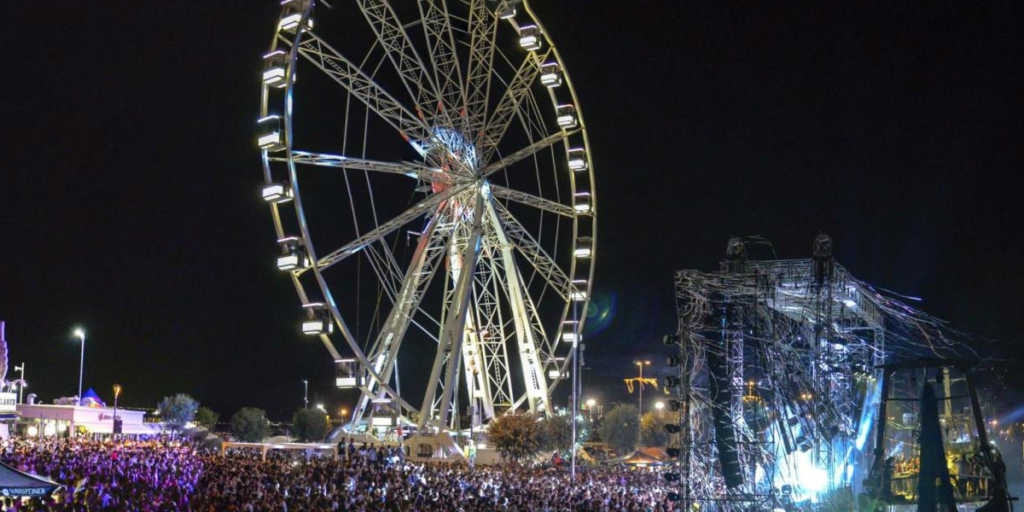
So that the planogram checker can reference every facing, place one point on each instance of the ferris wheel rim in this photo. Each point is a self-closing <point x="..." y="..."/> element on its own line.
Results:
<point x="321" y="282"/>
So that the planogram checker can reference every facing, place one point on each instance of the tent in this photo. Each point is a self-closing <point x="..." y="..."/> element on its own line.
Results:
<point x="91" y="399"/>
<point x="647" y="456"/>
<point x="14" y="483"/>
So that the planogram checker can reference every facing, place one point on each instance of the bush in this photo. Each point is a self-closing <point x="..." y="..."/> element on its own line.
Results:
<point x="250" y="424"/>
<point x="207" y="418"/>
<point x="515" y="436"/>
<point x="619" y="427"/>
<point x="309" y="425"/>
<point x="177" y="410"/>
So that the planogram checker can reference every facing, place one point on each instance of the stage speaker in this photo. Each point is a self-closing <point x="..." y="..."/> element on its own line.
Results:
<point x="725" y="435"/>
<point x="118" y="425"/>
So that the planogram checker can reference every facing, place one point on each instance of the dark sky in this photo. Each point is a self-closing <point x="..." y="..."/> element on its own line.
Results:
<point x="128" y="201"/>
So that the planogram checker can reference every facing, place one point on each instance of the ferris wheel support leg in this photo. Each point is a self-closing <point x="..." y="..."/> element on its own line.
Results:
<point x="384" y="352"/>
<point x="450" y="347"/>
<point x="473" y="365"/>
<point x="529" y="356"/>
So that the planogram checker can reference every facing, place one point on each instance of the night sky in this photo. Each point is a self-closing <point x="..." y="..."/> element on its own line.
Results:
<point x="129" y="197"/>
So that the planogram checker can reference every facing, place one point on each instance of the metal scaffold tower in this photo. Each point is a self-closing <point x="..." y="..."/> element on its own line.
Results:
<point x="778" y="378"/>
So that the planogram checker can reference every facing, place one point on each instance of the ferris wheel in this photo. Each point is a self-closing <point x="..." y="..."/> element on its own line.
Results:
<point x="427" y="169"/>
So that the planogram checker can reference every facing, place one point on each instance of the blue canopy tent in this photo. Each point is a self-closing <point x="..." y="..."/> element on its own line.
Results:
<point x="14" y="483"/>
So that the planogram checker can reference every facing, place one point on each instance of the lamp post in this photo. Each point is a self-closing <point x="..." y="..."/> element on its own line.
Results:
<point x="305" y="393"/>
<point x="591" y="403"/>
<point x="21" y="379"/>
<point x="80" y="333"/>
<point x="640" y="402"/>
<point x="659" y="405"/>
<point x="117" y="393"/>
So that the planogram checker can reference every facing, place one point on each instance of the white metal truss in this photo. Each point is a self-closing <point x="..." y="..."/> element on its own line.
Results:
<point x="529" y="357"/>
<point x="402" y="53"/>
<point x="437" y="27"/>
<point x="421" y="271"/>
<point x="388" y="227"/>
<point x="490" y="318"/>
<point x="522" y="153"/>
<point x="518" y="88"/>
<point x="532" y="200"/>
<point x="534" y="253"/>
<point x="463" y="263"/>
<point x="362" y="87"/>
<point x="473" y="368"/>
<point x="483" y="25"/>
<point x="411" y="169"/>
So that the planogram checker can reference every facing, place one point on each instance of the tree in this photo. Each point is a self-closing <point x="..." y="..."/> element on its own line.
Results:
<point x="555" y="433"/>
<point x="207" y="418"/>
<point x="309" y="425"/>
<point x="515" y="436"/>
<point x="177" y="410"/>
<point x="619" y="427"/>
<point x="250" y="424"/>
<point x="652" y="429"/>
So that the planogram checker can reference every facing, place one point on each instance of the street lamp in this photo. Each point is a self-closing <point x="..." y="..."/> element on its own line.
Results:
<point x="305" y="393"/>
<point x="640" y="398"/>
<point x="659" y="405"/>
<point x="591" y="403"/>
<point x="321" y="407"/>
<point x="117" y="393"/>
<point x="80" y="334"/>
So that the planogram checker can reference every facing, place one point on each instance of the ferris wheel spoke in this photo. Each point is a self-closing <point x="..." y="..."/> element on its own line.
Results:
<point x="421" y="272"/>
<point x="411" y="169"/>
<point x="545" y="265"/>
<point x="401" y="52"/>
<point x="446" y="358"/>
<point x="483" y="26"/>
<point x="437" y="28"/>
<point x="526" y="342"/>
<point x="523" y="153"/>
<point x="518" y="88"/>
<point x="532" y="200"/>
<point x="347" y="74"/>
<point x="388" y="227"/>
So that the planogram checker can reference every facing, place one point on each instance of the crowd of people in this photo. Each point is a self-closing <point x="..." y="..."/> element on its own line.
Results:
<point x="169" y="475"/>
<point x="107" y="475"/>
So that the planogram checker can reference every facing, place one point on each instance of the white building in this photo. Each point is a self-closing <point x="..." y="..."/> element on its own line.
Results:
<point x="56" y="419"/>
